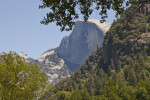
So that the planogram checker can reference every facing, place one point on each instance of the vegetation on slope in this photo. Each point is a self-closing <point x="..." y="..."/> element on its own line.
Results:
<point x="20" y="80"/>
<point x="65" y="13"/>
<point x="113" y="90"/>
<point x="120" y="69"/>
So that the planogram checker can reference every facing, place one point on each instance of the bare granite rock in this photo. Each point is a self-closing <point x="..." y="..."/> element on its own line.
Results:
<point x="84" y="39"/>
<point x="60" y="62"/>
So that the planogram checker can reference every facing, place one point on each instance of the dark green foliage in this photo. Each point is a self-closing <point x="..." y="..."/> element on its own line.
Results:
<point x="65" y="13"/>
<point x="76" y="96"/>
<point x="65" y="95"/>
<point x="117" y="91"/>
<point x="62" y="95"/>
<point x="85" y="95"/>
<point x="121" y="91"/>
<point x="20" y="80"/>
<point x="116" y="69"/>
<point x="113" y="90"/>
<point x="143" y="90"/>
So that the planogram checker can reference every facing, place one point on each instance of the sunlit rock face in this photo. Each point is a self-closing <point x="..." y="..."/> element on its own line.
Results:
<point x="53" y="66"/>
<point x="61" y="62"/>
<point x="27" y="59"/>
<point x="84" y="39"/>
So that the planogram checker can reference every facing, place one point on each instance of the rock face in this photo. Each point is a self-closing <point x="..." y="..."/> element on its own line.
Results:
<point x="60" y="62"/>
<point x="53" y="66"/>
<point x="124" y="56"/>
<point x="84" y="39"/>
<point x="27" y="59"/>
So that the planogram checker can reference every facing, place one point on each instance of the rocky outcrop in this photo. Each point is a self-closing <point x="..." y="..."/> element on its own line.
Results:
<point x="60" y="62"/>
<point x="27" y="59"/>
<point x="124" y="57"/>
<point x="84" y="39"/>
<point x="53" y="66"/>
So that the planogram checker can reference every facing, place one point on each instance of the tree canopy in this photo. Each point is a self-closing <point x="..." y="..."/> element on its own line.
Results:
<point x="20" y="80"/>
<point x="65" y="12"/>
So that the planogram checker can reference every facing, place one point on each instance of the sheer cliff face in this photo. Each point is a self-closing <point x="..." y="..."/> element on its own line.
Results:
<point x="84" y="39"/>
<point x="59" y="62"/>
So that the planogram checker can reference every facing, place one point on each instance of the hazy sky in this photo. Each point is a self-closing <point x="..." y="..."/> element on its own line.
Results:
<point x="21" y="31"/>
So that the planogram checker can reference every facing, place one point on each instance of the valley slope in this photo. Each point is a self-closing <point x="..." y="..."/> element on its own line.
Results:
<point x="124" y="56"/>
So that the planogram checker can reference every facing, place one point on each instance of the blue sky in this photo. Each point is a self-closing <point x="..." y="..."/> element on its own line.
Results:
<point x="21" y="31"/>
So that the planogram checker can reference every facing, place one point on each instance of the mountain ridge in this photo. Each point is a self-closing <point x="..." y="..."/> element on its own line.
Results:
<point x="124" y="56"/>
<point x="84" y="39"/>
<point x="79" y="44"/>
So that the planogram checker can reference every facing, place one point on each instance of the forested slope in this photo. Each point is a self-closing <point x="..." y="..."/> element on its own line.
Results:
<point x="121" y="64"/>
